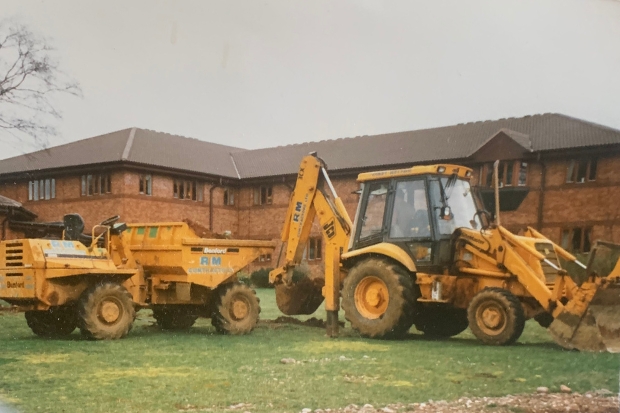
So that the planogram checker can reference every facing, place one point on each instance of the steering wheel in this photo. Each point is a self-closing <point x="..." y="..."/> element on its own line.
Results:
<point x="110" y="221"/>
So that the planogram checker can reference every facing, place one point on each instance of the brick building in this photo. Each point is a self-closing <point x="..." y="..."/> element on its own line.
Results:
<point x="558" y="174"/>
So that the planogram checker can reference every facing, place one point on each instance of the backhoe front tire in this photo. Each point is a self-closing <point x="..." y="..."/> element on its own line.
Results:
<point x="106" y="311"/>
<point x="172" y="318"/>
<point x="54" y="323"/>
<point x="237" y="309"/>
<point x="378" y="299"/>
<point x="496" y="317"/>
<point x="441" y="321"/>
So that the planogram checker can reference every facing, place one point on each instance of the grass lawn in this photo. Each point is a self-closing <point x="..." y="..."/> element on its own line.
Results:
<point x="155" y="371"/>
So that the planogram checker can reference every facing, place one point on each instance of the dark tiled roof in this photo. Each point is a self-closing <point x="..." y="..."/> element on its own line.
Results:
<point x="520" y="138"/>
<point x="538" y="132"/>
<point x="534" y="133"/>
<point x="99" y="149"/>
<point x="177" y="152"/>
<point x="134" y="145"/>
<point x="8" y="202"/>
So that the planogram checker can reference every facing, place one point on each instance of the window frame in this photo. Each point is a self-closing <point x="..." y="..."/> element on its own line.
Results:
<point x="228" y="196"/>
<point x="145" y="186"/>
<point x="486" y="174"/>
<point x="96" y="184"/>
<point x="585" y="238"/>
<point x="575" y="166"/>
<point x="187" y="190"/>
<point x="263" y="195"/>
<point x="42" y="189"/>
<point x="314" y="244"/>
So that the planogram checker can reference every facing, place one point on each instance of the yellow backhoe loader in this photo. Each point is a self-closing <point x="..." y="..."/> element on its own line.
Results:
<point x="423" y="251"/>
<point x="97" y="282"/>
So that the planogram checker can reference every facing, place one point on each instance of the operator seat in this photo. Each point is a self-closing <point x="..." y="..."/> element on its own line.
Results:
<point x="74" y="226"/>
<point x="421" y="224"/>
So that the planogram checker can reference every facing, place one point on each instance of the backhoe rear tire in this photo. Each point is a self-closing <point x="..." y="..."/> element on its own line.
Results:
<point x="106" y="311"/>
<point x="379" y="298"/>
<point x="54" y="323"/>
<point x="237" y="309"/>
<point x="441" y="321"/>
<point x="172" y="318"/>
<point x="496" y="317"/>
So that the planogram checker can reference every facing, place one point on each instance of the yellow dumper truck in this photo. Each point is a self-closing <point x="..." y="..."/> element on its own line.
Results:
<point x="96" y="283"/>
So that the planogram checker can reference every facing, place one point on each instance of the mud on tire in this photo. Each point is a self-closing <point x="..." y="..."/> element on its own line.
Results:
<point x="379" y="299"/>
<point x="496" y="317"/>
<point x="237" y="309"/>
<point x="172" y="318"/>
<point x="53" y="323"/>
<point x="106" y="311"/>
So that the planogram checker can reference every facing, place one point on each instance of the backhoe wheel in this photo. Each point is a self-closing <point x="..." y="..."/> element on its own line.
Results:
<point x="106" y="311"/>
<point x="441" y="321"/>
<point x="378" y="299"/>
<point x="53" y="323"/>
<point x="496" y="317"/>
<point x="237" y="309"/>
<point x="172" y="318"/>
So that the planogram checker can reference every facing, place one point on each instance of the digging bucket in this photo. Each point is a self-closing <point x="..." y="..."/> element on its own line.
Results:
<point x="590" y="321"/>
<point x="302" y="297"/>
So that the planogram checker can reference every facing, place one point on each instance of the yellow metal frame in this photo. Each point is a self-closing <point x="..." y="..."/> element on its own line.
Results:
<point x="439" y="169"/>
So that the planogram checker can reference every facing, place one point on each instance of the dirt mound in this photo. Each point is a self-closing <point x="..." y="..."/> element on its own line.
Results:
<point x="311" y="322"/>
<point x="204" y="232"/>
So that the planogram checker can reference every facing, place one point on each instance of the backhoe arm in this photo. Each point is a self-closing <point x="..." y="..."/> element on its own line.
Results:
<point x="308" y="201"/>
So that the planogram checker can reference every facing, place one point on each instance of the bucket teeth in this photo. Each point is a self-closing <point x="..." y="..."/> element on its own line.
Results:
<point x="302" y="297"/>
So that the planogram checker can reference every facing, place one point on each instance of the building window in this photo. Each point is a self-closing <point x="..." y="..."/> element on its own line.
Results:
<point x="510" y="173"/>
<point x="96" y="184"/>
<point x="580" y="170"/>
<point x="263" y="195"/>
<point x="229" y="196"/>
<point x="42" y="189"/>
<point x="264" y="258"/>
<point x="187" y="190"/>
<point x="146" y="184"/>
<point x="576" y="239"/>
<point x="313" y="249"/>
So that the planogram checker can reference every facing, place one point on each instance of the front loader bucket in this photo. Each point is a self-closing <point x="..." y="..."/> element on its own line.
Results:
<point x="302" y="297"/>
<point x="591" y="320"/>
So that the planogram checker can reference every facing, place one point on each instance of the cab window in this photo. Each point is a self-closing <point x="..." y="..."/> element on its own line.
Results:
<point x="410" y="218"/>
<point x="372" y="217"/>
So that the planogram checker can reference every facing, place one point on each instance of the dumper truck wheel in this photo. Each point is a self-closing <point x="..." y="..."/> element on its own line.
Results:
<point x="441" y="321"/>
<point x="106" y="311"/>
<point x="53" y="323"/>
<point x="496" y="317"/>
<point x="379" y="298"/>
<point x="237" y="309"/>
<point x="173" y="318"/>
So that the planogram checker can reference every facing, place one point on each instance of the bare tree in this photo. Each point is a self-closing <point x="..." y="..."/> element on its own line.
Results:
<point x="29" y="81"/>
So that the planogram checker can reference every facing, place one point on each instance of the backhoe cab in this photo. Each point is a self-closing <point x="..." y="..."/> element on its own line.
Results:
<point x="423" y="251"/>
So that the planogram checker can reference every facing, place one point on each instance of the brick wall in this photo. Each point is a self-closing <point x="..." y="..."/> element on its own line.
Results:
<point x="593" y="204"/>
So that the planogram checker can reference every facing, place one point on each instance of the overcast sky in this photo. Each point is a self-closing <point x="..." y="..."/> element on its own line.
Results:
<point x="254" y="74"/>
